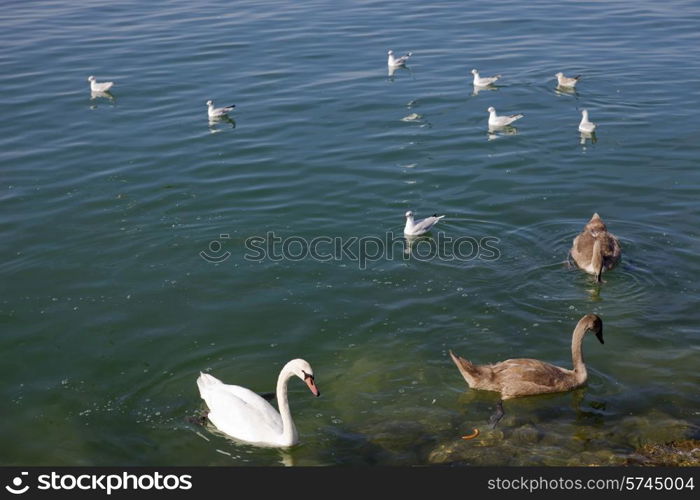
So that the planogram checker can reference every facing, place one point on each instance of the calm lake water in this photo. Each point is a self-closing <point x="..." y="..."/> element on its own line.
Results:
<point x="108" y="311"/>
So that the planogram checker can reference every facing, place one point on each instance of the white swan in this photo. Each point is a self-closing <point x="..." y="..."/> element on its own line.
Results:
<point x="244" y="415"/>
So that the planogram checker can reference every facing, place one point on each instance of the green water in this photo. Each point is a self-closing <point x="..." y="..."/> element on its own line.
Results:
<point x="108" y="312"/>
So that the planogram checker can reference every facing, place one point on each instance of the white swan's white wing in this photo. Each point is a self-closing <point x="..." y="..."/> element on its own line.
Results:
<point x="239" y="412"/>
<point x="244" y="418"/>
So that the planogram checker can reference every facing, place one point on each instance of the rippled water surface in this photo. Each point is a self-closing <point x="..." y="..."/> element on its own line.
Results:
<point x="108" y="311"/>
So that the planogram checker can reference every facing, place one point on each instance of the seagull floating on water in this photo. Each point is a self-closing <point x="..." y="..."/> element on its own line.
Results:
<point x="218" y="112"/>
<point x="496" y="121"/>
<point x="565" y="81"/>
<point x="413" y="228"/>
<point x="586" y="126"/>
<point x="485" y="81"/>
<point x="393" y="62"/>
<point x="99" y="87"/>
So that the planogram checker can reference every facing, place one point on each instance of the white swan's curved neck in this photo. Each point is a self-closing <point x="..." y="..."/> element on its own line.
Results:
<point x="289" y="430"/>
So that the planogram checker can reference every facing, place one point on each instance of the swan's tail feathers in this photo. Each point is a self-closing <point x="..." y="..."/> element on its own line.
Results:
<point x="206" y="382"/>
<point x="469" y="370"/>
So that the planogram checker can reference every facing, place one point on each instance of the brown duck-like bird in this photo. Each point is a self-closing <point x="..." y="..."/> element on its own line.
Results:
<point x="514" y="378"/>
<point x="596" y="250"/>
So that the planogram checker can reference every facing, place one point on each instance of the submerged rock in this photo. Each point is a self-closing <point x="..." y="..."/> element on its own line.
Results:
<point x="655" y="427"/>
<point x="454" y="451"/>
<point x="490" y="437"/>
<point x="463" y="452"/>
<point x="685" y="453"/>
<point x="397" y="437"/>
<point x="525" y="435"/>
<point x="596" y="458"/>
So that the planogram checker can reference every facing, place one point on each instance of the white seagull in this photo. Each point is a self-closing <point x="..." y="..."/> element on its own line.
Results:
<point x="565" y="81"/>
<point x="393" y="62"/>
<point x="485" y="81"/>
<point x="99" y="87"/>
<point x="586" y="126"/>
<point x="413" y="228"/>
<point x="496" y="121"/>
<point x="218" y="112"/>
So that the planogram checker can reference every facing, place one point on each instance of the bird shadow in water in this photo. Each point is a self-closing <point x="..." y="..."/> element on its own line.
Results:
<point x="566" y="91"/>
<point x="477" y="89"/>
<point x="199" y="420"/>
<point x="412" y="244"/>
<point x="535" y="410"/>
<point x="498" y="132"/>
<point x="98" y="97"/>
<point x="588" y="136"/>
<point x="393" y="70"/>
<point x="219" y="124"/>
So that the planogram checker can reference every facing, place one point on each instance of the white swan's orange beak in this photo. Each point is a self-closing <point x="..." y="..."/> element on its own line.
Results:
<point x="309" y="379"/>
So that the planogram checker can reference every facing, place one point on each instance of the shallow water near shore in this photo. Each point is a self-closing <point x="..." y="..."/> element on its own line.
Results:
<point x="114" y="210"/>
